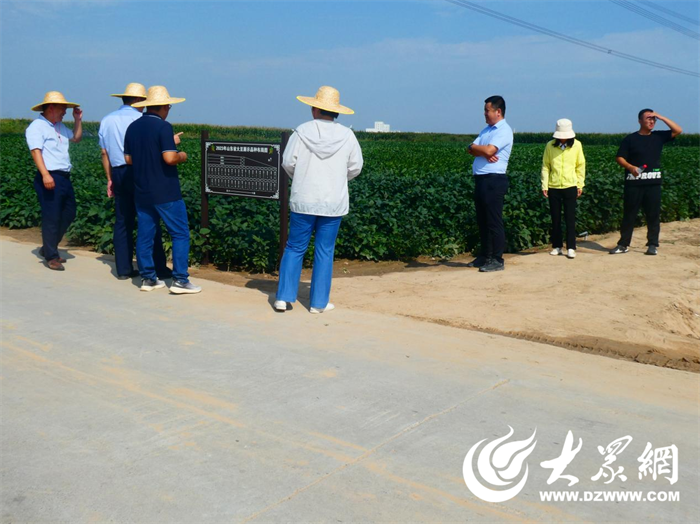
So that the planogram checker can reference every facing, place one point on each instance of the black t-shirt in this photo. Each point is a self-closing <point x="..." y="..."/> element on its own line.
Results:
<point x="146" y="139"/>
<point x="644" y="150"/>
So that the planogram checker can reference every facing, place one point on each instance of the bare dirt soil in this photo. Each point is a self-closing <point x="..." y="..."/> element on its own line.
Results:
<point x="629" y="306"/>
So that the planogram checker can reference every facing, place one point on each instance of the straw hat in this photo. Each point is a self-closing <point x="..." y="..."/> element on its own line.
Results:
<point x="133" y="90"/>
<point x="327" y="98"/>
<point x="565" y="129"/>
<point x="158" y="96"/>
<point x="53" y="97"/>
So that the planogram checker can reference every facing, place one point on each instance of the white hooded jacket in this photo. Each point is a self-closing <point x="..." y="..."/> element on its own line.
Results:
<point x="321" y="156"/>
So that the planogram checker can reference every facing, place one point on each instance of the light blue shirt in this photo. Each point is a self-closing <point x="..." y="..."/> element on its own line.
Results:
<point x="499" y="135"/>
<point x="112" y="130"/>
<point x="53" y="142"/>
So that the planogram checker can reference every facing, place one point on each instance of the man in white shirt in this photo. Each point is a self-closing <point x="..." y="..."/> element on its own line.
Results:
<point x="491" y="151"/>
<point x="120" y="184"/>
<point x="48" y="139"/>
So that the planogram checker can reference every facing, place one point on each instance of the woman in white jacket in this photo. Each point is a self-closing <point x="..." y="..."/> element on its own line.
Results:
<point x="321" y="156"/>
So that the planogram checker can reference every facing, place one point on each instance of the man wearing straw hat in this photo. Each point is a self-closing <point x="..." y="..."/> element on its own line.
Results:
<point x="120" y="184"/>
<point x="149" y="145"/>
<point x="48" y="140"/>
<point x="321" y="156"/>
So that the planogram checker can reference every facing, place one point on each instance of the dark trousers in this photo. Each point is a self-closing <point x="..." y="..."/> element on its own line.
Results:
<point x="489" y="192"/>
<point x="557" y="197"/>
<point x="125" y="222"/>
<point x="649" y="199"/>
<point x="57" y="210"/>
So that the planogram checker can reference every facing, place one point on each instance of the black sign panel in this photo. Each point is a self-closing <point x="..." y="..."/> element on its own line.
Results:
<point x="249" y="169"/>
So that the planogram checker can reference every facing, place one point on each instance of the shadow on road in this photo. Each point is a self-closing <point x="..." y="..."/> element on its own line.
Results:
<point x="269" y="288"/>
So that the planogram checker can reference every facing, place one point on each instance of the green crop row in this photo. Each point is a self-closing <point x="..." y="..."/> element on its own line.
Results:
<point x="413" y="198"/>
<point x="261" y="134"/>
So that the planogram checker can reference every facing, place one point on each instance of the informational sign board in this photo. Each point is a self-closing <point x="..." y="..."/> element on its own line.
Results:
<point x="249" y="169"/>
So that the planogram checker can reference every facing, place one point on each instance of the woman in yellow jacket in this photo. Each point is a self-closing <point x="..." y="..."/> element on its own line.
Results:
<point x="563" y="176"/>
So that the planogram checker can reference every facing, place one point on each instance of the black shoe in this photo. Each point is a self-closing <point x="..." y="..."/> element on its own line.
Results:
<point x="478" y="262"/>
<point x="492" y="265"/>
<point x="131" y="275"/>
<point x="619" y="249"/>
<point x="165" y="273"/>
<point x="652" y="250"/>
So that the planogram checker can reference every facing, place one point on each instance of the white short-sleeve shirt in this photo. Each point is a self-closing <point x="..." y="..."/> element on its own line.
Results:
<point x="52" y="140"/>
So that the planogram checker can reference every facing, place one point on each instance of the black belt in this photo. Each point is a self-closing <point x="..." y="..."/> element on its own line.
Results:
<point x="491" y="174"/>
<point x="65" y="174"/>
<point x="123" y="165"/>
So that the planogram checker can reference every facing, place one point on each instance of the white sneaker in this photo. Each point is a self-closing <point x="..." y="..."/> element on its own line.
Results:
<point x="280" y="305"/>
<point x="571" y="253"/>
<point x="329" y="307"/>
<point x="556" y="251"/>
<point x="150" y="285"/>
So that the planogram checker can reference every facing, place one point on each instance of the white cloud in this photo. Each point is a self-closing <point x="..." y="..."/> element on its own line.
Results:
<point x="523" y="55"/>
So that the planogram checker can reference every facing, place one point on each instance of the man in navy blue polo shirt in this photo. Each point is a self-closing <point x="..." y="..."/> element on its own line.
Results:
<point x="48" y="140"/>
<point x="149" y="145"/>
<point x="120" y="184"/>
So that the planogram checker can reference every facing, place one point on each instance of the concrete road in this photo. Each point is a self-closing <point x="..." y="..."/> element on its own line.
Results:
<point x="124" y="406"/>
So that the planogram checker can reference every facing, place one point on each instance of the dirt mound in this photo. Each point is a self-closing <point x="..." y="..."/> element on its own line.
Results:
<point x="630" y="306"/>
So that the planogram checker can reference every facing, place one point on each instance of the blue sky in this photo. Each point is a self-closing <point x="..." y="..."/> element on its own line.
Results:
<point x="417" y="65"/>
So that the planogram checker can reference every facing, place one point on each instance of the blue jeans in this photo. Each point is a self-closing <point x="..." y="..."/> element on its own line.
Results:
<point x="57" y="210"/>
<point x="300" y="229"/>
<point x="174" y="215"/>
<point x="125" y="220"/>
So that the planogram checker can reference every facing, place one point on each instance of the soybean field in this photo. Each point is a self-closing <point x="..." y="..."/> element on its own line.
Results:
<point x="414" y="196"/>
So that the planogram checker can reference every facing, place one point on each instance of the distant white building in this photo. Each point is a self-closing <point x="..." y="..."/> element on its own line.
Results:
<point x="379" y="127"/>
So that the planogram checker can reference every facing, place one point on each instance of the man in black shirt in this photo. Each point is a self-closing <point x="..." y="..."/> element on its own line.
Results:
<point x="640" y="155"/>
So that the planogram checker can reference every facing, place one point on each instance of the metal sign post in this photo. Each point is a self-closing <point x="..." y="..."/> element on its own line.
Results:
<point x="205" y="195"/>
<point x="284" y="201"/>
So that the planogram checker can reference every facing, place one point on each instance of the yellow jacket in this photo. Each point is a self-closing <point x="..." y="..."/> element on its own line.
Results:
<point x="562" y="169"/>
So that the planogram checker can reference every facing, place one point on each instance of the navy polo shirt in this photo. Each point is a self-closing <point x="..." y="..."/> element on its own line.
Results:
<point x="155" y="182"/>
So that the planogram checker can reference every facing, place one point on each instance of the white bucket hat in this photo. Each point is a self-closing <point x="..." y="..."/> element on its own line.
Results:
<point x="53" y="97"/>
<point x="133" y="90"/>
<point x="565" y="129"/>
<point x="328" y="99"/>
<point x="158" y="96"/>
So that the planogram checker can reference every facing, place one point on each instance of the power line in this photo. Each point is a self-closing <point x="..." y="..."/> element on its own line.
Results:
<point x="669" y="12"/>
<point x="572" y="40"/>
<point x="657" y="18"/>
